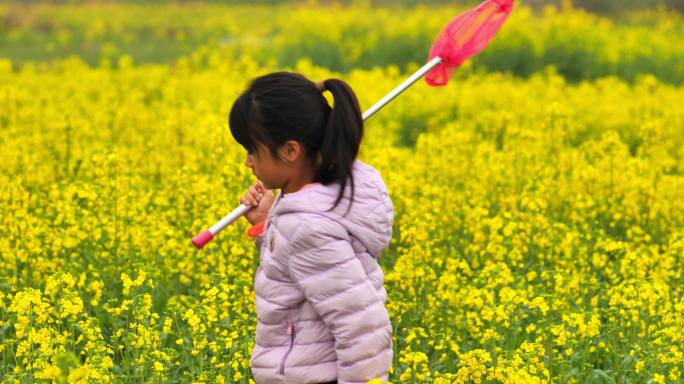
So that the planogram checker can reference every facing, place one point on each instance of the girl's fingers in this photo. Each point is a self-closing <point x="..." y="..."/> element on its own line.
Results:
<point x="250" y="199"/>
<point x="254" y="194"/>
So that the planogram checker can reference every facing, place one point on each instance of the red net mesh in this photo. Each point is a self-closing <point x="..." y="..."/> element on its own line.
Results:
<point x="466" y="35"/>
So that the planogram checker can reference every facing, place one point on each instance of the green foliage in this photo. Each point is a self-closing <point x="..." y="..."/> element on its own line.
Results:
<point x="578" y="44"/>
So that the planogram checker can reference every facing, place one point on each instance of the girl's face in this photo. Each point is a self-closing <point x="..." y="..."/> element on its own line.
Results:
<point x="267" y="168"/>
<point x="288" y="171"/>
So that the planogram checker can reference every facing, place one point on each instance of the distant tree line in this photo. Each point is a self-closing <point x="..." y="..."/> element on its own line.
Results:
<point x="606" y="7"/>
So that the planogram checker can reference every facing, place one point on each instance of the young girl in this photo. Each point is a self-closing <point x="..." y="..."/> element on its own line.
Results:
<point x="320" y="299"/>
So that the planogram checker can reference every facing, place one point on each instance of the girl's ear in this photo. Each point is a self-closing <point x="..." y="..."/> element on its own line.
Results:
<point x="291" y="150"/>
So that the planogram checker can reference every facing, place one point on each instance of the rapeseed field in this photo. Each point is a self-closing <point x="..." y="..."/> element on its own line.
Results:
<point x="539" y="230"/>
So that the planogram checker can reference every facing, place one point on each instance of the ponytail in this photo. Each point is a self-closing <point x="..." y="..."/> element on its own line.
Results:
<point x="283" y="106"/>
<point x="341" y="140"/>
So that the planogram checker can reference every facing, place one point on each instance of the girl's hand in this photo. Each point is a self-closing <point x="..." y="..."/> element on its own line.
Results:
<point x="261" y="200"/>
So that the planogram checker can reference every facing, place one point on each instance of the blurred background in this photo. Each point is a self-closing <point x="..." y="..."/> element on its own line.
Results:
<point x="581" y="39"/>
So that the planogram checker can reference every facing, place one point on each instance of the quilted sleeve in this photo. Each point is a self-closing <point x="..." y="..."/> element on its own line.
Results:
<point x="258" y="241"/>
<point x="327" y="270"/>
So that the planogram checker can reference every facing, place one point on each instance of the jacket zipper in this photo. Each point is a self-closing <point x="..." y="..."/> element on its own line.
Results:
<point x="291" y="332"/>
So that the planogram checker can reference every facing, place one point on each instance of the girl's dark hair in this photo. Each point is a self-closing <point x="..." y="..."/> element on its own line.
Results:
<point x="284" y="106"/>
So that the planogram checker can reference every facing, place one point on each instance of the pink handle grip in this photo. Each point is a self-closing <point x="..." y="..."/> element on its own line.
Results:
<point x="200" y="240"/>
